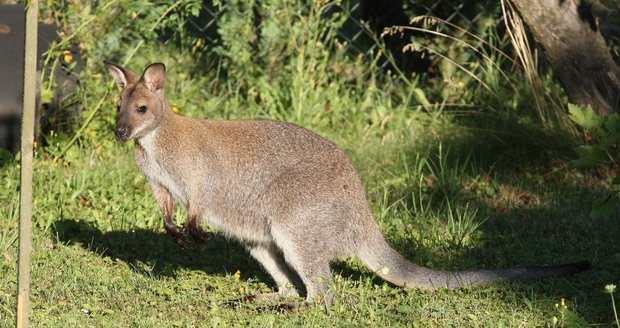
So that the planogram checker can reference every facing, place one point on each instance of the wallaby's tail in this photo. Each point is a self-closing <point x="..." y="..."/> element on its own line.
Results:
<point x="378" y="256"/>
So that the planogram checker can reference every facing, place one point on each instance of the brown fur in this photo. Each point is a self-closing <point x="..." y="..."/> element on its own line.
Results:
<point x="290" y="196"/>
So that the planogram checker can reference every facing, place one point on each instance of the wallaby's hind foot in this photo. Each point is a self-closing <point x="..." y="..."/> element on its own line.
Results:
<point x="263" y="297"/>
<point x="270" y="301"/>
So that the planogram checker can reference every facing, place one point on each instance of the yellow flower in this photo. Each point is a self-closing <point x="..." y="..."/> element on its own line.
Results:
<point x="68" y="58"/>
<point x="175" y="109"/>
<point x="196" y="45"/>
<point x="241" y="289"/>
<point x="238" y="275"/>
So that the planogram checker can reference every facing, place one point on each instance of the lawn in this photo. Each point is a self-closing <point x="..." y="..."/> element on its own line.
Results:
<point x="470" y="178"/>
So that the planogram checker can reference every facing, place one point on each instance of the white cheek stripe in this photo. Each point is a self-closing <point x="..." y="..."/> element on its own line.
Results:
<point x="138" y="129"/>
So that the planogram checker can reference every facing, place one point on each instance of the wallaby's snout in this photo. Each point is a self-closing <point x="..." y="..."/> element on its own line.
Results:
<point x="122" y="133"/>
<point x="123" y="130"/>
<point x="128" y="122"/>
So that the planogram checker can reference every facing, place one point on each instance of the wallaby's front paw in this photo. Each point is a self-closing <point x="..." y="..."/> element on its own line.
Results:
<point x="181" y="241"/>
<point x="177" y="233"/>
<point x="198" y="235"/>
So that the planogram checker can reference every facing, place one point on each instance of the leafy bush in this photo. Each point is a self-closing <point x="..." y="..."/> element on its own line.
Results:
<point x="604" y="136"/>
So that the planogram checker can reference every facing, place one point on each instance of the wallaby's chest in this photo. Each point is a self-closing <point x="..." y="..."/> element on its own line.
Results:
<point x="153" y="167"/>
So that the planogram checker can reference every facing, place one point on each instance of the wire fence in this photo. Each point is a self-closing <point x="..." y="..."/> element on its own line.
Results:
<point x="365" y="21"/>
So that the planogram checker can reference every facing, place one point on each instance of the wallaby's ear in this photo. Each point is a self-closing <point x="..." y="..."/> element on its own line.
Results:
<point x="121" y="75"/>
<point x="154" y="76"/>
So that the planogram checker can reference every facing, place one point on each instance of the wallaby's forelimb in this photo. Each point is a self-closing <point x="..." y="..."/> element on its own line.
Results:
<point x="175" y="231"/>
<point x="195" y="230"/>
<point x="164" y="199"/>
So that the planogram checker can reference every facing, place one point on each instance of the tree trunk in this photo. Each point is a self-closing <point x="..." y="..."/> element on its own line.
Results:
<point x="570" y="37"/>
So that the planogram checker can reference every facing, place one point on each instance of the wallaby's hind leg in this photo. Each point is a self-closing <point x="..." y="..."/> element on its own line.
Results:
<point x="273" y="262"/>
<point x="316" y="275"/>
<point x="310" y="266"/>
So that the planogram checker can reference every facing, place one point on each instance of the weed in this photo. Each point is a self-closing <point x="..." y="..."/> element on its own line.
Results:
<point x="462" y="224"/>
<point x="611" y="289"/>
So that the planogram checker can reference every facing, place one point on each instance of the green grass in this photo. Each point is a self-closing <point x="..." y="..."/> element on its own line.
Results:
<point x="477" y="185"/>
<point x="101" y="257"/>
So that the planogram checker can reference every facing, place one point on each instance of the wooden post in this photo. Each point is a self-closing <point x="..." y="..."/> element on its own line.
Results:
<point x="27" y="139"/>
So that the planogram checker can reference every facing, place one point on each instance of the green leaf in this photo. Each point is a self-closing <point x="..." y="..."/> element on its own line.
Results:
<point x="589" y="156"/>
<point x="420" y="97"/>
<point x="610" y="131"/>
<point x="585" y="118"/>
<point x="5" y="157"/>
<point x="604" y="206"/>
<point x="47" y="96"/>
<point x="616" y="180"/>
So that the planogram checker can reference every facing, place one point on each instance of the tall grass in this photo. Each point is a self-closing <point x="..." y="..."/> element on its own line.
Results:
<point x="505" y="66"/>
<point x="549" y="106"/>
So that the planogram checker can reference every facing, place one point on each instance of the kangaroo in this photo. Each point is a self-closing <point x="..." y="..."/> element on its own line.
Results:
<point x="291" y="197"/>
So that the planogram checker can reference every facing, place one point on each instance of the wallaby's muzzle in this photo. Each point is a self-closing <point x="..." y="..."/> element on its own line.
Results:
<point x="122" y="133"/>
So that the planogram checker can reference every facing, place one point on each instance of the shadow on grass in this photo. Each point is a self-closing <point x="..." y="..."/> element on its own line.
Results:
<point x="143" y="248"/>
<point x="548" y="225"/>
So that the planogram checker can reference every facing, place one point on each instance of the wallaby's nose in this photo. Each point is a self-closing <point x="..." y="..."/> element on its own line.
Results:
<point x="121" y="133"/>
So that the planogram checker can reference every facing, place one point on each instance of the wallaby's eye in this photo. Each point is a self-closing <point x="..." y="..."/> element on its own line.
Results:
<point x="142" y="109"/>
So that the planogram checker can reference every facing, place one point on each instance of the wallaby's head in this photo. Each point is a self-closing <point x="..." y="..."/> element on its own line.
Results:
<point x="141" y="106"/>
